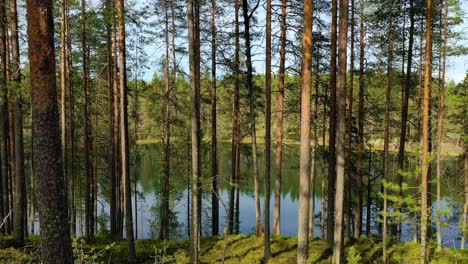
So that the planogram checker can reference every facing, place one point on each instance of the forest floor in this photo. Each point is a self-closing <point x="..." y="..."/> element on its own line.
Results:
<point x="233" y="249"/>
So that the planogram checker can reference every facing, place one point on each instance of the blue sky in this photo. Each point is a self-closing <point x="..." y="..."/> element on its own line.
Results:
<point x="457" y="67"/>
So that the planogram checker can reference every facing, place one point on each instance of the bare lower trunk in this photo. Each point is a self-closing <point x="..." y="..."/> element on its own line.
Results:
<point x="279" y="125"/>
<point x="20" y="180"/>
<point x="425" y="135"/>
<point x="360" y="161"/>
<point x="313" y="152"/>
<point x="214" y="142"/>
<point x="332" y="131"/>
<point x="194" y="61"/>
<point x="266" y="206"/>
<point x="387" y="131"/>
<point x="52" y="191"/>
<point x="349" y="132"/>
<point x="4" y="204"/>
<point x="304" y="160"/>
<point x="440" y="122"/>
<point x="124" y="147"/>
<point x="405" y="103"/>
<point x="338" y="246"/>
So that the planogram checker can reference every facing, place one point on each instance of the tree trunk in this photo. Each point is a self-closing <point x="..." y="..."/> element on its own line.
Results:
<point x="124" y="146"/>
<point x="440" y="123"/>
<point x="267" y="152"/>
<point x="304" y="160"/>
<point x="360" y="172"/>
<point x="349" y="150"/>
<point x="89" y="219"/>
<point x="214" y="142"/>
<point x="465" y="207"/>
<point x="63" y="87"/>
<point x="405" y="104"/>
<point x="52" y="191"/>
<point x="4" y="120"/>
<point x="112" y="120"/>
<point x="322" y="178"/>
<point x="313" y="152"/>
<point x="425" y="134"/>
<point x="235" y="162"/>
<point x="279" y="125"/>
<point x="386" y="154"/>
<point x="164" y="214"/>
<point x="194" y="62"/>
<point x="118" y="172"/>
<point x="71" y="112"/>
<point x="341" y="127"/>
<point x="253" y="132"/>
<point x="332" y="130"/>
<point x="20" y="180"/>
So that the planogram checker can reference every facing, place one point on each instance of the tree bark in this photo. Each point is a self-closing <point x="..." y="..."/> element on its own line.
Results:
<point x="214" y="142"/>
<point x="124" y="146"/>
<point x="89" y="218"/>
<point x="112" y="119"/>
<point x="322" y="178"/>
<point x="71" y="112"/>
<point x="360" y="172"/>
<point x="4" y="204"/>
<point x="52" y="191"/>
<point x="253" y="132"/>
<point x="386" y="154"/>
<point x="440" y="127"/>
<point x="63" y="87"/>
<point x="405" y="103"/>
<point x="465" y="207"/>
<point x="332" y="131"/>
<point x="164" y="215"/>
<point x="279" y="125"/>
<point x="194" y="62"/>
<point x="313" y="152"/>
<point x="349" y="127"/>
<point x="267" y="152"/>
<point x="425" y="134"/>
<point x="304" y="160"/>
<point x="235" y="161"/>
<point x="341" y="127"/>
<point x="20" y="180"/>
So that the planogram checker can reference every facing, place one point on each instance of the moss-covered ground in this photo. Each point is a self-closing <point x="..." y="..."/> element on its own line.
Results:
<point x="231" y="249"/>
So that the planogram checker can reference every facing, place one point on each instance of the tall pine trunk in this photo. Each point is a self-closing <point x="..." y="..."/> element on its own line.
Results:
<point x="194" y="62"/>
<point x="360" y="159"/>
<point x="214" y="141"/>
<point x="267" y="152"/>
<point x="20" y="180"/>
<point x="386" y="169"/>
<point x="252" y="117"/>
<point x="89" y="219"/>
<point x="440" y="127"/>
<point x="332" y="131"/>
<point x="405" y="103"/>
<point x="124" y="142"/>
<point x="425" y="134"/>
<point x="235" y="161"/>
<point x="340" y="131"/>
<point x="164" y="213"/>
<point x="279" y="125"/>
<point x="349" y="132"/>
<point x="4" y="204"/>
<point x="52" y="191"/>
<point x="304" y="158"/>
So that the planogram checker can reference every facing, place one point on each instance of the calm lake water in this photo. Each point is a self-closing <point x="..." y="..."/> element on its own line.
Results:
<point x="149" y="170"/>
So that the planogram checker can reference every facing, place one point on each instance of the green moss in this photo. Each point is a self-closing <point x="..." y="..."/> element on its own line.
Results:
<point x="234" y="249"/>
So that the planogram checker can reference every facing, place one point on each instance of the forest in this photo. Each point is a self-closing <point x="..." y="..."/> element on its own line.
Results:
<point x="233" y="131"/>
